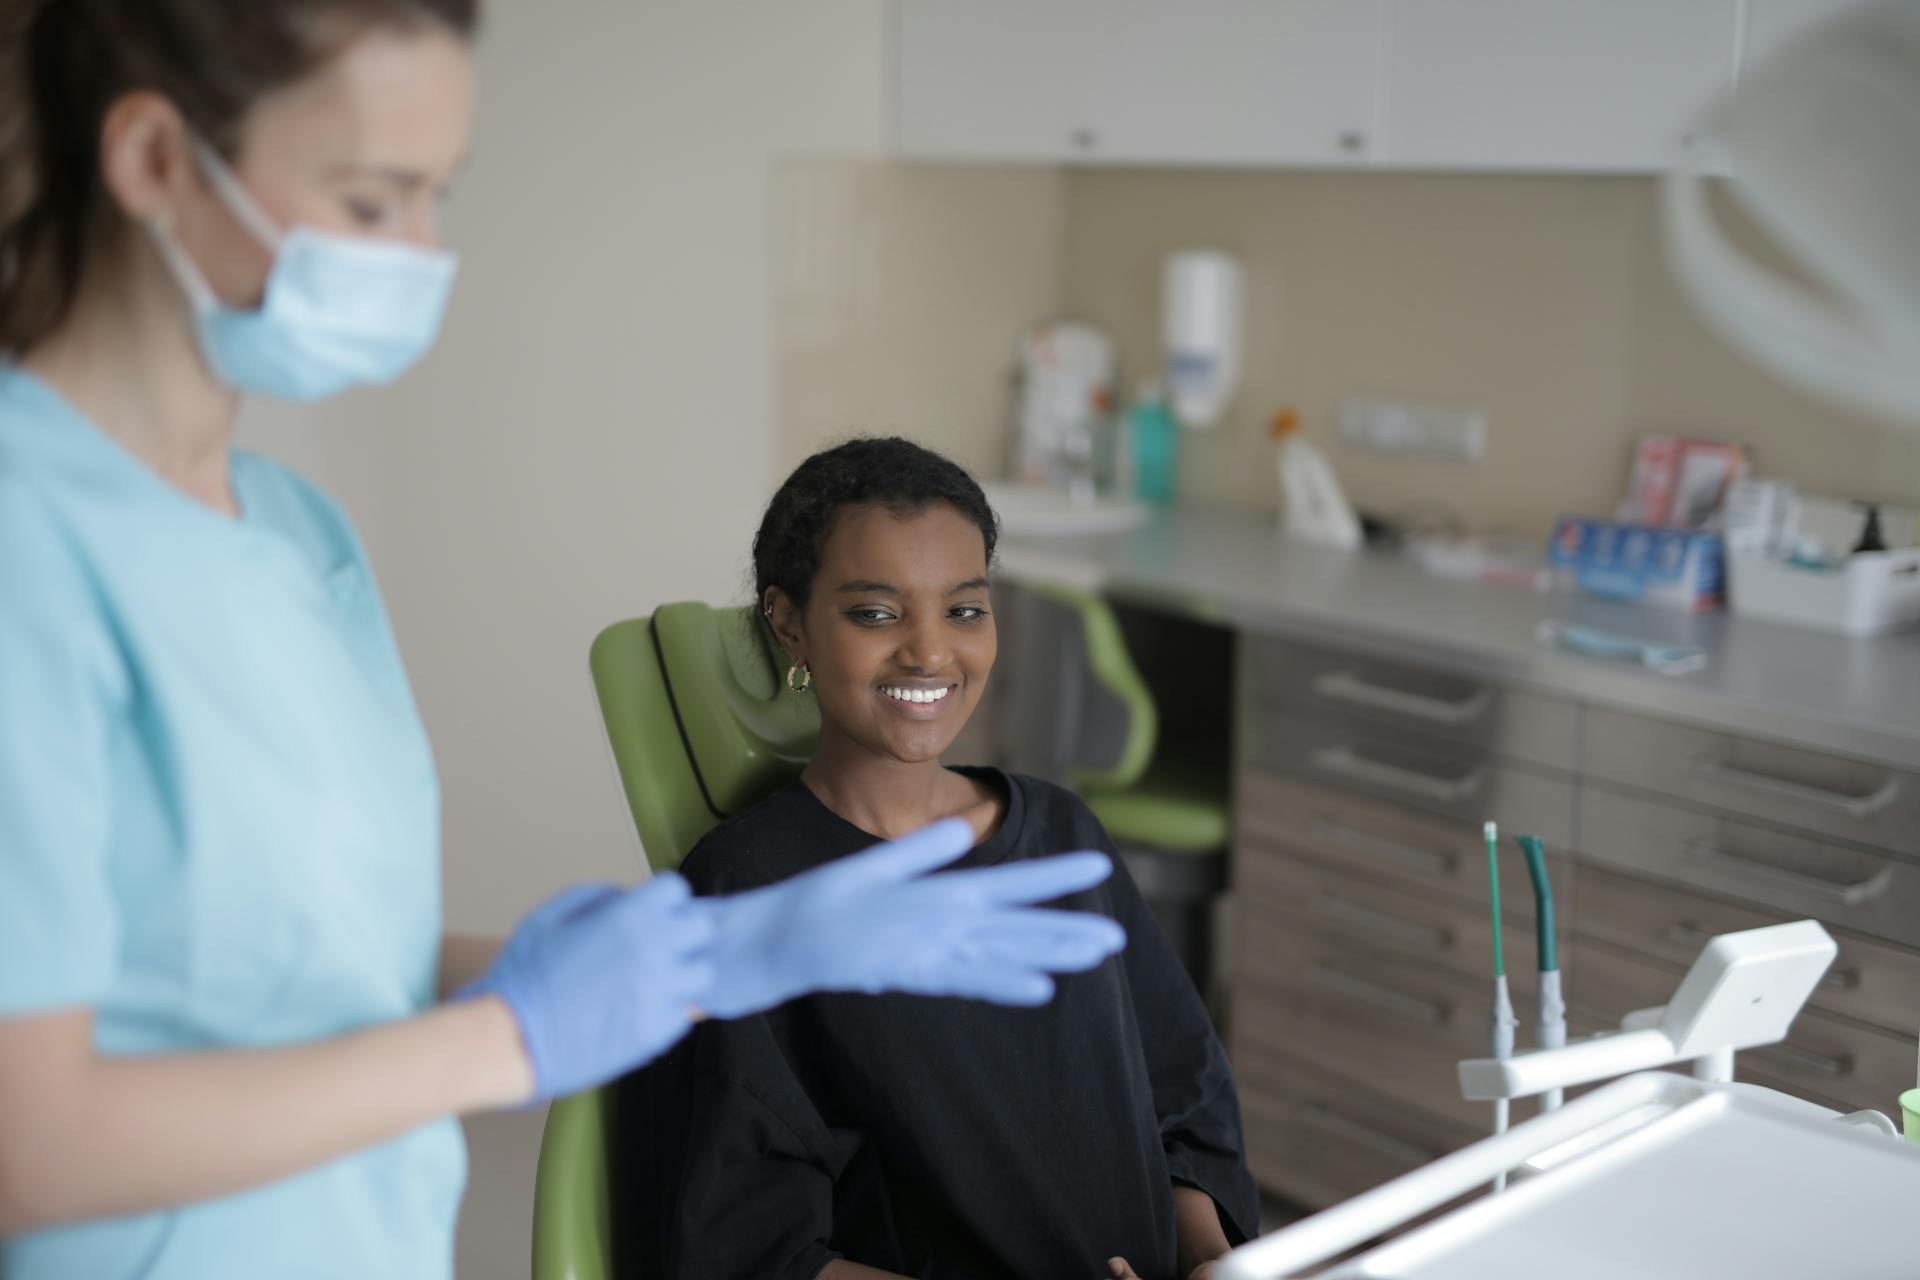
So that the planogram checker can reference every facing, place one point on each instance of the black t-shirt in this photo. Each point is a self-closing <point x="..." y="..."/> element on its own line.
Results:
<point x="942" y="1139"/>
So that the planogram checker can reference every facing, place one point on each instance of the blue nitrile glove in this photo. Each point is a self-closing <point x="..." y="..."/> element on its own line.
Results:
<point x="876" y="922"/>
<point x="602" y="979"/>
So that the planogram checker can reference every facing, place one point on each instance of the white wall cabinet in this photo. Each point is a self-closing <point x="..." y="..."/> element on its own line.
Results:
<point x="1562" y="85"/>
<point x="1772" y="23"/>
<point x="1253" y="82"/>
<point x="1520" y="85"/>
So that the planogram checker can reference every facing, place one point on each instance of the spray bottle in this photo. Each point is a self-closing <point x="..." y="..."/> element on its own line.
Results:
<point x="1313" y="507"/>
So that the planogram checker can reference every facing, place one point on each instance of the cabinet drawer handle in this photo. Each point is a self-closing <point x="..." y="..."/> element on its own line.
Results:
<point x="1688" y="934"/>
<point x="1793" y="1058"/>
<point x="1406" y="855"/>
<point x="1340" y="1125"/>
<point x="1348" y="687"/>
<point x="1847" y="893"/>
<point x="1343" y="762"/>
<point x="1856" y="807"/>
<point x="1839" y="980"/>
<point x="1430" y="1013"/>
<point x="1382" y="924"/>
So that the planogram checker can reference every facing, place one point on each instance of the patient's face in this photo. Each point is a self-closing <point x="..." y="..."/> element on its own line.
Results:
<point x="898" y="631"/>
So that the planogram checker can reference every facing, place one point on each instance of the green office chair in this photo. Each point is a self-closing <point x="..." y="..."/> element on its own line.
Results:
<point x="1164" y="804"/>
<point x="702" y="728"/>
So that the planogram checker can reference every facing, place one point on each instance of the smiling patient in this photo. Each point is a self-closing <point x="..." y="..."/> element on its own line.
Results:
<point x="847" y="1137"/>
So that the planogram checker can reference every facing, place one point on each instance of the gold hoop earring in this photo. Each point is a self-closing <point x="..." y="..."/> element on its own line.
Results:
<point x="806" y="677"/>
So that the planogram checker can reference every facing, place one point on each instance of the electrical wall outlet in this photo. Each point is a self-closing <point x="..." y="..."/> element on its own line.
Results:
<point x="1414" y="430"/>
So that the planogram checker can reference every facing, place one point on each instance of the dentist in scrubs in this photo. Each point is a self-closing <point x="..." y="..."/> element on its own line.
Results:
<point x="233" y="1036"/>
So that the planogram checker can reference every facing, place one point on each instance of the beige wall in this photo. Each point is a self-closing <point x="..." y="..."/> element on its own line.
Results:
<point x="1544" y="300"/>
<point x="898" y="294"/>
<point x="592" y="437"/>
<point x="899" y="290"/>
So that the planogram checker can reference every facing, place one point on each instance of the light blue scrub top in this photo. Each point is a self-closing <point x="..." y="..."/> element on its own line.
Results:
<point x="219" y="824"/>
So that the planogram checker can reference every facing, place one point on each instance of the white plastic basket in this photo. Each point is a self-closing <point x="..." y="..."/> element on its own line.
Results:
<point x="1875" y="591"/>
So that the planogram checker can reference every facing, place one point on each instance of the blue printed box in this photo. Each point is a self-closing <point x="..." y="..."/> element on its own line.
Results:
<point x="1673" y="568"/>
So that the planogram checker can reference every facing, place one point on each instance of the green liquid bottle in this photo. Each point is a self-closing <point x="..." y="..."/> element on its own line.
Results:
<point x="1153" y="437"/>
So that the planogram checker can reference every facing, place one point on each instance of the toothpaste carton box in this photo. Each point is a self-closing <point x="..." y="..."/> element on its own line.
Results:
<point x="1671" y="568"/>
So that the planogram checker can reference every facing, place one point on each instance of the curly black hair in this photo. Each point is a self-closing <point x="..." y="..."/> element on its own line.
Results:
<point x="887" y="471"/>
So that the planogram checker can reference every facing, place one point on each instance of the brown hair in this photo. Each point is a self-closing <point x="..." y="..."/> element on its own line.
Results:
<point x="63" y="63"/>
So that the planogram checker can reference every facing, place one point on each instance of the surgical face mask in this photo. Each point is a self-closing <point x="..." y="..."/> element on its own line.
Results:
<point x="1822" y="149"/>
<point x="338" y="312"/>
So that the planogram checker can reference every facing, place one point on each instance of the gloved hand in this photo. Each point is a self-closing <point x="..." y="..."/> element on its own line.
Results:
<point x="876" y="922"/>
<point x="602" y="979"/>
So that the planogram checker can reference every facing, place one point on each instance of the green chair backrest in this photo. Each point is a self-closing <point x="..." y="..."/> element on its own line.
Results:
<point x="572" y="1211"/>
<point x="700" y="720"/>
<point x="1114" y="726"/>
<point x="702" y="728"/>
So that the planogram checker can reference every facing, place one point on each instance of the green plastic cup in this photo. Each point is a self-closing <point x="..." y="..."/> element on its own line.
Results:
<point x="1910" y="1114"/>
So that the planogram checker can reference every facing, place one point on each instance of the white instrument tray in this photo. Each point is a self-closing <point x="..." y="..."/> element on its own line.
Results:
<point x="1678" y="1179"/>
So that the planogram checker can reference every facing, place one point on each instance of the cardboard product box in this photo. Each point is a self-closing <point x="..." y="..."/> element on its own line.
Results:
<point x="1672" y="568"/>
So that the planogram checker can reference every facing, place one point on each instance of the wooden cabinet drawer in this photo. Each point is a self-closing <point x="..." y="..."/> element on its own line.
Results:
<point x="1826" y="795"/>
<point x="1418" y="775"/>
<point x="1836" y="1063"/>
<point x="1395" y="1025"/>
<point x="1284" y="675"/>
<point x="1317" y="1140"/>
<point x="1794" y="875"/>
<point x="1370" y="838"/>
<point x="1869" y="980"/>
<point x="1273" y="893"/>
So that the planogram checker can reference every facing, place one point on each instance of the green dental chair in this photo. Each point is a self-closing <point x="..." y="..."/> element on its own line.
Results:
<point x="702" y="727"/>
<point x="1087" y="718"/>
